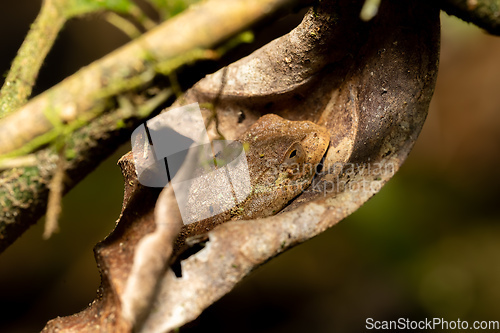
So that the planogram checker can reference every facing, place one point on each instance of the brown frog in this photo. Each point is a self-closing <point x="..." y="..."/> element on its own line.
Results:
<point x="281" y="157"/>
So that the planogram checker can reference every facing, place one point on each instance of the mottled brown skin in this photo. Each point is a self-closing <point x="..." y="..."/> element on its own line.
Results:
<point x="281" y="157"/>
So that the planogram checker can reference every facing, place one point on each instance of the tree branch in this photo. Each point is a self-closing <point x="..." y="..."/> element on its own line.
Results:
<point x="483" y="13"/>
<point x="132" y="65"/>
<point x="25" y="67"/>
<point x="23" y="192"/>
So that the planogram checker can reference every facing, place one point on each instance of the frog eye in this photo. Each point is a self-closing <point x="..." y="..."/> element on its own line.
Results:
<point x="294" y="154"/>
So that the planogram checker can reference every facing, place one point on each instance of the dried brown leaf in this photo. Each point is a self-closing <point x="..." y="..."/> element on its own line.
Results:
<point x="368" y="83"/>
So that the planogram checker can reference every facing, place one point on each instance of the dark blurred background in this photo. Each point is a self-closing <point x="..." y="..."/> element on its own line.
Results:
<point x="426" y="246"/>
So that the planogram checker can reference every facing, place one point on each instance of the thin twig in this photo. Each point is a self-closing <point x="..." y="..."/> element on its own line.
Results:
<point x="25" y="67"/>
<point x="123" y="24"/>
<point x="56" y="188"/>
<point x="142" y="18"/>
<point x="18" y="162"/>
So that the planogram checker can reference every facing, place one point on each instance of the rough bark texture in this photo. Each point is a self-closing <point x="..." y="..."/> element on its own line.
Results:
<point x="368" y="83"/>
<point x="24" y="191"/>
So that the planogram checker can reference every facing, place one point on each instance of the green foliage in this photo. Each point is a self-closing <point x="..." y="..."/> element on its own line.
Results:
<point x="169" y="8"/>
<point x="80" y="7"/>
<point x="244" y="37"/>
